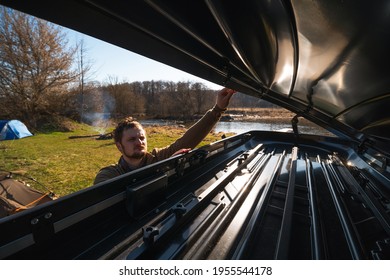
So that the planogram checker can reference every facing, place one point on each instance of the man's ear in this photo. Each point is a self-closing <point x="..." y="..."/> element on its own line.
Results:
<point x="119" y="146"/>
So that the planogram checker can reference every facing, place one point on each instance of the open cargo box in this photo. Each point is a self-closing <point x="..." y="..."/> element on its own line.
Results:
<point x="259" y="195"/>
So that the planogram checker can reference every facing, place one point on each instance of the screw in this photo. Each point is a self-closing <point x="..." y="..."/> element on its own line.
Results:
<point x="48" y="215"/>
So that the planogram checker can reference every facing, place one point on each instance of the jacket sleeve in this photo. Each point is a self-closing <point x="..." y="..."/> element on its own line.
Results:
<point x="193" y="136"/>
<point x="107" y="173"/>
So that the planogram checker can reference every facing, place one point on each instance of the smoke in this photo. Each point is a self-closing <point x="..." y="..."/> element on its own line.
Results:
<point x="98" y="109"/>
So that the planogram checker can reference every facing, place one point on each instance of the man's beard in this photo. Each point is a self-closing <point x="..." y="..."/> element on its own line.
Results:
<point x="138" y="154"/>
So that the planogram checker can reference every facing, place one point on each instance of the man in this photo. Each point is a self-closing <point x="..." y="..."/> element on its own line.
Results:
<point x="130" y="139"/>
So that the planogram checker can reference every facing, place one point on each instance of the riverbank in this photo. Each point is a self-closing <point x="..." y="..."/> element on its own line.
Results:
<point x="239" y="120"/>
<point x="256" y="114"/>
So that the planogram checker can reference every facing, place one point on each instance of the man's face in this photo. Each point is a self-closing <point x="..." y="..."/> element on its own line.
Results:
<point x="133" y="144"/>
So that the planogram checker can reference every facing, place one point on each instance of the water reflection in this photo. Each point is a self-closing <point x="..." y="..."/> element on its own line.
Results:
<point x="241" y="127"/>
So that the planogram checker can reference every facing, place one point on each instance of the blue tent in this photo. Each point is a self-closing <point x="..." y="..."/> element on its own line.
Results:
<point x="13" y="129"/>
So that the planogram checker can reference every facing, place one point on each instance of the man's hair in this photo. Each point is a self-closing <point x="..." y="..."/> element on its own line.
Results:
<point x="128" y="122"/>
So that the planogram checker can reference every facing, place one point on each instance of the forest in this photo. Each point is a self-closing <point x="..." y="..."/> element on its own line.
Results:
<point x="149" y="99"/>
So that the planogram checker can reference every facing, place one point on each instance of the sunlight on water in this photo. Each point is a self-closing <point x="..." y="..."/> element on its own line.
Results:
<point x="241" y="127"/>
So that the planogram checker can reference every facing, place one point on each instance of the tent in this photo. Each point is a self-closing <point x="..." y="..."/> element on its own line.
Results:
<point x="13" y="129"/>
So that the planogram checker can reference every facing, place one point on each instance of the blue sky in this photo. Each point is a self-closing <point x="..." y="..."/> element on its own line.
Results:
<point x="110" y="61"/>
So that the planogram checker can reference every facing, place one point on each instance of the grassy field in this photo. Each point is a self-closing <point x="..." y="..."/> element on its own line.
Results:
<point x="65" y="165"/>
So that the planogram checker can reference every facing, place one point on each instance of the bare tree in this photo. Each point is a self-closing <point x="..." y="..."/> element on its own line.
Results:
<point x="184" y="99"/>
<point x="84" y="67"/>
<point x="35" y="65"/>
<point x="199" y="92"/>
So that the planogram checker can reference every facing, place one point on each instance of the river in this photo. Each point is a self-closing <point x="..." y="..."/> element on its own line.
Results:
<point x="239" y="127"/>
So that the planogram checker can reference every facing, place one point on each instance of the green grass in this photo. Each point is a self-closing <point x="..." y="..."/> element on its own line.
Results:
<point x="66" y="165"/>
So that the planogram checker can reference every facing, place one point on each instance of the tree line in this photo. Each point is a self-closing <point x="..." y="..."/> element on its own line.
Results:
<point x="43" y="77"/>
<point x="152" y="99"/>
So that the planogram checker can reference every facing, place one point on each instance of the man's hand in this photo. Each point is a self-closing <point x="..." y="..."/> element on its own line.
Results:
<point x="182" y="151"/>
<point x="223" y="97"/>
